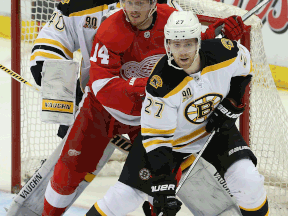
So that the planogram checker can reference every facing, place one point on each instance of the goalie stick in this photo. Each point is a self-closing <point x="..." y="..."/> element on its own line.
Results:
<point x="17" y="77"/>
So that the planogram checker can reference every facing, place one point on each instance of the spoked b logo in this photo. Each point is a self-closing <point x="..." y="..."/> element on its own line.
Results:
<point x="198" y="110"/>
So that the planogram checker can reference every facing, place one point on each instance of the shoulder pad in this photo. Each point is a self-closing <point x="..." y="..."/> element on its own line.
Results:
<point x="164" y="78"/>
<point x="68" y="7"/>
<point x="218" y="50"/>
<point x="116" y="33"/>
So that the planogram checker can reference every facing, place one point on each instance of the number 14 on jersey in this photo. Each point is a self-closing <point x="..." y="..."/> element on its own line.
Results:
<point x="102" y="53"/>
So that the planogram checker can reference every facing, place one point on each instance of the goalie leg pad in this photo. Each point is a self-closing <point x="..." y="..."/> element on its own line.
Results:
<point x="120" y="200"/>
<point x="205" y="192"/>
<point x="29" y="201"/>
<point x="247" y="186"/>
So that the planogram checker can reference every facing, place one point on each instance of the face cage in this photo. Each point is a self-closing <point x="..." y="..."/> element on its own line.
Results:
<point x="152" y="10"/>
<point x="170" y="57"/>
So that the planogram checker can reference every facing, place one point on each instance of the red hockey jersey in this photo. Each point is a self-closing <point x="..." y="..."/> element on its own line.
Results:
<point x="119" y="52"/>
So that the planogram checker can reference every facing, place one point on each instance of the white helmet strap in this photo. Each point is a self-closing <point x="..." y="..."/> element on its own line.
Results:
<point x="171" y="58"/>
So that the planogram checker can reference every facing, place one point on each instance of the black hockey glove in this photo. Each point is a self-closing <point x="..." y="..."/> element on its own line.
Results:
<point x="224" y="116"/>
<point x="163" y="189"/>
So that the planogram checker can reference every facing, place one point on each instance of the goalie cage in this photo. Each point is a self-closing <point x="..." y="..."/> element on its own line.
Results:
<point x="263" y="124"/>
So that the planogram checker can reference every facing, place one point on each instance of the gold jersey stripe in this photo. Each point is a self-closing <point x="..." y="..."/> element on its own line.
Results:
<point x="156" y="131"/>
<point x="105" y="7"/>
<point x="156" y="142"/>
<point x="255" y="209"/>
<point x="89" y="11"/>
<point x="44" y="54"/>
<point x="202" y="136"/>
<point x="179" y="87"/>
<point x="55" y="43"/>
<point x="118" y="5"/>
<point x="251" y="67"/>
<point x="188" y="162"/>
<point x="99" y="210"/>
<point x="89" y="177"/>
<point x="189" y="136"/>
<point x="57" y="106"/>
<point x="218" y="66"/>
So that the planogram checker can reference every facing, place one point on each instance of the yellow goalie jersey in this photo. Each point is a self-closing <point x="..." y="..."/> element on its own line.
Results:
<point x="177" y="105"/>
<point x="72" y="26"/>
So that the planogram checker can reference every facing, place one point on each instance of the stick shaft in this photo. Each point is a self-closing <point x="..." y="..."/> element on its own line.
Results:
<point x="245" y="16"/>
<point x="193" y="165"/>
<point x="17" y="77"/>
<point x="194" y="162"/>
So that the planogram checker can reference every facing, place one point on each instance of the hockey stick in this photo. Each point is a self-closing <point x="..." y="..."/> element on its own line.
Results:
<point x="17" y="77"/>
<point x="245" y="16"/>
<point x="193" y="165"/>
<point x="195" y="162"/>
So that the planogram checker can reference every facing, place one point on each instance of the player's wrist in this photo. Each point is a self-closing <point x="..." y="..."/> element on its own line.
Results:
<point x="224" y="116"/>
<point x="231" y="105"/>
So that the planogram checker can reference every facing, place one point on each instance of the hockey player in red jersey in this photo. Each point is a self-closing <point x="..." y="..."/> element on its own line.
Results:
<point x="125" y="49"/>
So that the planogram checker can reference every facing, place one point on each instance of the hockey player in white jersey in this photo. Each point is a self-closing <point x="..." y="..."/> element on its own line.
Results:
<point x="194" y="89"/>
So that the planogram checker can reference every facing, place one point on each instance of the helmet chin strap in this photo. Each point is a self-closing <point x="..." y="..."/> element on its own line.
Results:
<point x="170" y="57"/>
<point x="195" y="57"/>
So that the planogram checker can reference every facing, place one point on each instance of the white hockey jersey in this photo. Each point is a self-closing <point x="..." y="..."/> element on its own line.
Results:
<point x="72" y="26"/>
<point x="177" y="105"/>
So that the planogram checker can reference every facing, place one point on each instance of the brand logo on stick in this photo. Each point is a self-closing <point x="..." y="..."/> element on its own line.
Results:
<point x="28" y="188"/>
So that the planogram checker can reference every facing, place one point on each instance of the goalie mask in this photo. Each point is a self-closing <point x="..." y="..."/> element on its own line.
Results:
<point x="182" y="38"/>
<point x="138" y="11"/>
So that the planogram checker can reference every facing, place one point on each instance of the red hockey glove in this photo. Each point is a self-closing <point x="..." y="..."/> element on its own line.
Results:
<point x="233" y="28"/>
<point x="224" y="116"/>
<point x="135" y="89"/>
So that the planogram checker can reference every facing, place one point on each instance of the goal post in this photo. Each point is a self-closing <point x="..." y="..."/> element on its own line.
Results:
<point x="15" y="97"/>
<point x="31" y="140"/>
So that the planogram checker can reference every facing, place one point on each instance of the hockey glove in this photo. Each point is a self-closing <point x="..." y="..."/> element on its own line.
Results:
<point x="163" y="190"/>
<point x="224" y="116"/>
<point x="135" y="89"/>
<point x="233" y="28"/>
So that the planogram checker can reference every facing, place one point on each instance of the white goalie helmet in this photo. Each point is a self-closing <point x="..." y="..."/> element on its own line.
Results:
<point x="134" y="5"/>
<point x="181" y="25"/>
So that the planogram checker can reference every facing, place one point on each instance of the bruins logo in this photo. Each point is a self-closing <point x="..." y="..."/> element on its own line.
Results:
<point x="144" y="174"/>
<point x="228" y="44"/>
<point x="198" y="110"/>
<point x="156" y="81"/>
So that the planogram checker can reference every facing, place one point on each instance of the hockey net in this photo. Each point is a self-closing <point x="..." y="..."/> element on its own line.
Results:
<point x="266" y="125"/>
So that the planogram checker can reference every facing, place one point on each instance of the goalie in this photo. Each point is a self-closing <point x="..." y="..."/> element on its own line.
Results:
<point x="63" y="43"/>
<point x="194" y="89"/>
